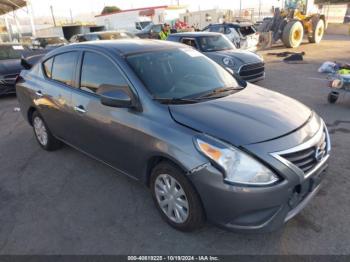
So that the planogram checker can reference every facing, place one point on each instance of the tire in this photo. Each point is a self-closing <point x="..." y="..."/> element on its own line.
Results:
<point x="43" y="135"/>
<point x="318" y="31"/>
<point x="333" y="97"/>
<point x="293" y="34"/>
<point x="187" y="219"/>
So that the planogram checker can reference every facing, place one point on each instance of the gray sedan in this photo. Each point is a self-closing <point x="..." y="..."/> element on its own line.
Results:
<point x="248" y="65"/>
<point x="208" y="145"/>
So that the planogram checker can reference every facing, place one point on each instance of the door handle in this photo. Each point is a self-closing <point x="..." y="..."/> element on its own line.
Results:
<point x="80" y="109"/>
<point x="39" y="93"/>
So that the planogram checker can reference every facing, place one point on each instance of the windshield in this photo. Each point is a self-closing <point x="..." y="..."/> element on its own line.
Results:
<point x="11" y="52"/>
<point x="215" y="43"/>
<point x="147" y="28"/>
<point x="179" y="73"/>
<point x="114" y="35"/>
<point x="51" y="41"/>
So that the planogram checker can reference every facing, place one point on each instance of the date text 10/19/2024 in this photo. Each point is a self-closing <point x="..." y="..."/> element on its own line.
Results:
<point x="173" y="258"/>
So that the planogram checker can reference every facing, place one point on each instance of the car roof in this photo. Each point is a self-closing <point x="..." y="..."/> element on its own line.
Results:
<point x="233" y="24"/>
<point x="197" y="34"/>
<point x="103" y="32"/>
<point x="125" y="46"/>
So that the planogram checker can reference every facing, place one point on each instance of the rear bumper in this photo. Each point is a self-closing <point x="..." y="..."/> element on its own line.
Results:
<point x="255" y="209"/>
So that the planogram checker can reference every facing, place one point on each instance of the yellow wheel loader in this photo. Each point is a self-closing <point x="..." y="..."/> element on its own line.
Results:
<point x="291" y="24"/>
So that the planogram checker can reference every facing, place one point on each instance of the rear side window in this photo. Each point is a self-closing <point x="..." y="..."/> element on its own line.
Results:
<point x="63" y="68"/>
<point x="98" y="71"/>
<point x="48" y="67"/>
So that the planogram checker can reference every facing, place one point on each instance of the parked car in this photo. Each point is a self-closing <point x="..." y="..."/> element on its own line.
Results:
<point x="152" y="31"/>
<point x="243" y="34"/>
<point x="103" y="35"/>
<point x="49" y="42"/>
<point x="10" y="64"/>
<point x="247" y="65"/>
<point x="207" y="145"/>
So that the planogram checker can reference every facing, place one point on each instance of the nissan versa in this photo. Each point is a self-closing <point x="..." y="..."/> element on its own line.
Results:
<point x="208" y="145"/>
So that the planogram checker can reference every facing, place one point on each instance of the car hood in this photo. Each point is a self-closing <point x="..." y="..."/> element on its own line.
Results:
<point x="243" y="57"/>
<point x="251" y="115"/>
<point x="10" y="66"/>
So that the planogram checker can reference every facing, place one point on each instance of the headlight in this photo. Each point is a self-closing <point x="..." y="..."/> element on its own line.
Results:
<point x="239" y="167"/>
<point x="228" y="61"/>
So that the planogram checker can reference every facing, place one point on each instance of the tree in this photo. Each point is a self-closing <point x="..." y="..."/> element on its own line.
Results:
<point x="110" y="9"/>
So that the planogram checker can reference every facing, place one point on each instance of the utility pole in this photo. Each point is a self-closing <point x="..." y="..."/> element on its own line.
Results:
<point x="259" y="9"/>
<point x="31" y="17"/>
<point x="240" y="8"/>
<point x="71" y="16"/>
<point x="53" y="17"/>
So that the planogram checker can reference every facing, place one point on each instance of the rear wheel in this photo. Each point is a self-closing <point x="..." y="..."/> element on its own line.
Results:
<point x="318" y="31"/>
<point x="175" y="198"/>
<point x="293" y="34"/>
<point x="43" y="135"/>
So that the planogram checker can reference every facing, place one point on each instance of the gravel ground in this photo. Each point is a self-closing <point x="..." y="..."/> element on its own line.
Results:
<point x="63" y="202"/>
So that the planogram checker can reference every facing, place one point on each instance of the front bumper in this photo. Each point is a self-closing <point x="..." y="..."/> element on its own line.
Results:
<point x="258" y="209"/>
<point x="265" y="208"/>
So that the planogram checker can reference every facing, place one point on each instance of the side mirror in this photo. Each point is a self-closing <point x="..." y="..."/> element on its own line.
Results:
<point x="25" y="64"/>
<point x="116" y="98"/>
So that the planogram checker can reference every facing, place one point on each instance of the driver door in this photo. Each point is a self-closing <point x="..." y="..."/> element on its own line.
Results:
<point x="102" y="131"/>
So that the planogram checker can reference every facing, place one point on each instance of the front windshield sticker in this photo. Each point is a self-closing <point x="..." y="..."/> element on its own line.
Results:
<point x="191" y="53"/>
<point x="17" y="47"/>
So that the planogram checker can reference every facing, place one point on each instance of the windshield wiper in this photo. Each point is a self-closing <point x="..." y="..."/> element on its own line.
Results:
<point x="216" y="92"/>
<point x="175" y="100"/>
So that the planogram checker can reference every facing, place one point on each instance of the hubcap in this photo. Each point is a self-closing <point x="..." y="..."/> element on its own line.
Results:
<point x="171" y="198"/>
<point x="40" y="131"/>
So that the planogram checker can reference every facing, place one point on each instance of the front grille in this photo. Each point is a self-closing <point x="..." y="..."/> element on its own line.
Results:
<point x="252" y="71"/>
<point x="308" y="158"/>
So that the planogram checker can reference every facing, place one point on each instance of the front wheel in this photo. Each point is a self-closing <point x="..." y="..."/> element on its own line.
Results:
<point x="293" y="34"/>
<point x="175" y="198"/>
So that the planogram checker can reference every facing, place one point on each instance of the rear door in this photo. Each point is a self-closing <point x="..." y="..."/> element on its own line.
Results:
<point x="55" y="93"/>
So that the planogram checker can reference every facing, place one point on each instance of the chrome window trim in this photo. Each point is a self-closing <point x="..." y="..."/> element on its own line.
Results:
<point x="311" y="142"/>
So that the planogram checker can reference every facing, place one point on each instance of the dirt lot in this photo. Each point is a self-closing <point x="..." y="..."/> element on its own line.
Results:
<point x="66" y="203"/>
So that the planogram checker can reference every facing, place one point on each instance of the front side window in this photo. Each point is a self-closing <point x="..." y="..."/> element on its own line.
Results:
<point x="98" y="71"/>
<point x="179" y="73"/>
<point x="215" y="43"/>
<point x="63" y="67"/>
<point x="190" y="42"/>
